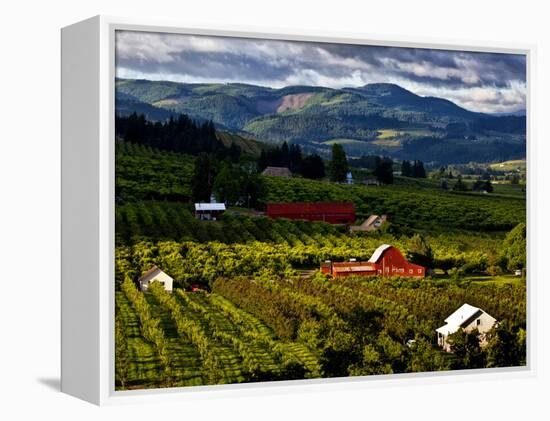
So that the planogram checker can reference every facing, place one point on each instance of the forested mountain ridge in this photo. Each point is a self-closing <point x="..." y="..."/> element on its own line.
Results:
<point x="379" y="118"/>
<point x="221" y="102"/>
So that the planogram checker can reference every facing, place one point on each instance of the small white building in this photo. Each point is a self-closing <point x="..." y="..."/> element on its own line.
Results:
<point x="155" y="274"/>
<point x="467" y="318"/>
<point x="209" y="211"/>
<point x="349" y="178"/>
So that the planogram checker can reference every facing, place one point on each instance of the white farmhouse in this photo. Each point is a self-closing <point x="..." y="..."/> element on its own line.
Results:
<point x="155" y="274"/>
<point x="466" y="318"/>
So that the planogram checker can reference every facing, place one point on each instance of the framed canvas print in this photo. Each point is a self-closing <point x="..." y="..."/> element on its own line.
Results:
<point x="244" y="210"/>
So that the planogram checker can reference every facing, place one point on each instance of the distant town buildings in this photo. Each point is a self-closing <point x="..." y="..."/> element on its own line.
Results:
<point x="467" y="318"/>
<point x="385" y="261"/>
<point x="331" y="212"/>
<point x="155" y="274"/>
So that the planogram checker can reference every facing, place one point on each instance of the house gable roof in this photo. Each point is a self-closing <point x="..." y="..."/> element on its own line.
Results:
<point x="463" y="316"/>
<point x="277" y="171"/>
<point x="153" y="271"/>
<point x="149" y="272"/>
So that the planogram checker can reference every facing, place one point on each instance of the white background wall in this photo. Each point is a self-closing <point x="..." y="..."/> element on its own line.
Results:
<point x="29" y="177"/>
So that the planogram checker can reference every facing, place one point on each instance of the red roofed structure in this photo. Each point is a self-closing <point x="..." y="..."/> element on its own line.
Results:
<point x="331" y="212"/>
<point x="385" y="261"/>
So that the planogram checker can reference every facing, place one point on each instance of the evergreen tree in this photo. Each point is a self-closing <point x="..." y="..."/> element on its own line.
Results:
<point x="178" y="134"/>
<point x="263" y="160"/>
<point x="295" y="159"/>
<point x="313" y="167"/>
<point x="459" y="185"/>
<point x="384" y="171"/>
<point x="406" y="168"/>
<point x="254" y="190"/>
<point x="478" y="185"/>
<point x="421" y="170"/>
<point x="202" y="180"/>
<point x="339" y="164"/>
<point x="284" y="155"/>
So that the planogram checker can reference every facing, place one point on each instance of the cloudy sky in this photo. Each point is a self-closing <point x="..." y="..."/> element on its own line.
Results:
<point x="477" y="81"/>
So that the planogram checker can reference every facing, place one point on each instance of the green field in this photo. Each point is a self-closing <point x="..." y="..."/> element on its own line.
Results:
<point x="255" y="330"/>
<point x="515" y="165"/>
<point x="265" y="312"/>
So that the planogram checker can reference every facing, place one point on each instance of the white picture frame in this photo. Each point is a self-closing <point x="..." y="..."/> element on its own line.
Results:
<point x="87" y="327"/>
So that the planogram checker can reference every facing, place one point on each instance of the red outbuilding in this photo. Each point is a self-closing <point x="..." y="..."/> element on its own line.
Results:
<point x="385" y="261"/>
<point x="331" y="212"/>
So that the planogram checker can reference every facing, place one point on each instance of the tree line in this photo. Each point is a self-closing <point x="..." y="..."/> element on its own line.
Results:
<point x="413" y="169"/>
<point x="291" y="157"/>
<point x="178" y="134"/>
<point x="380" y="167"/>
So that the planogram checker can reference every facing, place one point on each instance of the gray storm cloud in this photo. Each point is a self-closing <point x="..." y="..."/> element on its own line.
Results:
<point x="485" y="82"/>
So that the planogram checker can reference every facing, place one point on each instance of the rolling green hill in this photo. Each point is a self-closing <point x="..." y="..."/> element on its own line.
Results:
<point x="377" y="118"/>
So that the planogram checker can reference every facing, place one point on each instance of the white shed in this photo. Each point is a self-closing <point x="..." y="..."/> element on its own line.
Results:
<point x="155" y="274"/>
<point x="209" y="211"/>
<point x="467" y="318"/>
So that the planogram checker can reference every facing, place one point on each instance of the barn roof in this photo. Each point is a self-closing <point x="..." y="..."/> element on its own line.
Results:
<point x="378" y="253"/>
<point x="310" y="207"/>
<point x="362" y="268"/>
<point x="277" y="171"/>
<point x="209" y="206"/>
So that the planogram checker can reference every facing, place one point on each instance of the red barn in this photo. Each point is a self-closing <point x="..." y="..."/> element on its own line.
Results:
<point x="385" y="261"/>
<point x="331" y="212"/>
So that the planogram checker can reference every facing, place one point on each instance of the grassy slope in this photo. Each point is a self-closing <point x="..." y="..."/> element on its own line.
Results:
<point x="145" y="173"/>
<point x="514" y="165"/>
<point x="248" y="146"/>
<point x="424" y="209"/>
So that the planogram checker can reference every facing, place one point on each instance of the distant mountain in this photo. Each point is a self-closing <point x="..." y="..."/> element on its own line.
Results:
<point x="518" y="113"/>
<point x="377" y="118"/>
<point x="126" y="104"/>
<point x="236" y="106"/>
